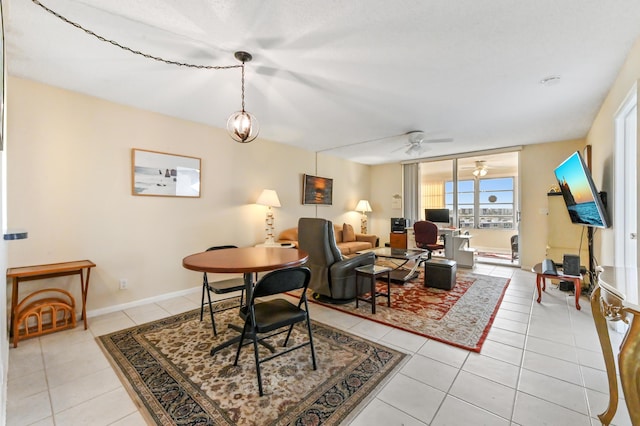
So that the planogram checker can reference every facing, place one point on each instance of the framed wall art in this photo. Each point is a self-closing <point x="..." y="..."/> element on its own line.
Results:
<point x="164" y="175"/>
<point x="317" y="190"/>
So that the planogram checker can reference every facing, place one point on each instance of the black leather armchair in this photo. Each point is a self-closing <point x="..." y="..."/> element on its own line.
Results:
<point x="333" y="278"/>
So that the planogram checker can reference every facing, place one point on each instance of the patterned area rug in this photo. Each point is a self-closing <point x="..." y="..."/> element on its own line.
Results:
<point x="460" y="317"/>
<point x="167" y="368"/>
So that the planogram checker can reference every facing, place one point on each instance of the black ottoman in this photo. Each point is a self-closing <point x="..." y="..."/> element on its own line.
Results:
<point x="440" y="273"/>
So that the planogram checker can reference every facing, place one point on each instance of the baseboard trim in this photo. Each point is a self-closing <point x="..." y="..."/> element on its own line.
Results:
<point x="135" y="303"/>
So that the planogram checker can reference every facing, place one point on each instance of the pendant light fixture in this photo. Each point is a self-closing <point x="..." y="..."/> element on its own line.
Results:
<point x="242" y="126"/>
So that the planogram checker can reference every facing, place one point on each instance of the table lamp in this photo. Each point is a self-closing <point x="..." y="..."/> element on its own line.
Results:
<point x="269" y="198"/>
<point x="364" y="207"/>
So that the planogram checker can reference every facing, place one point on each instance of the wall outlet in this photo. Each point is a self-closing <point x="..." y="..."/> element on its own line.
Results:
<point x="124" y="284"/>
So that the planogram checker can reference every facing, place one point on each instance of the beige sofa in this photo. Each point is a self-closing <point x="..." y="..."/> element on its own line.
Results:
<point x="346" y="239"/>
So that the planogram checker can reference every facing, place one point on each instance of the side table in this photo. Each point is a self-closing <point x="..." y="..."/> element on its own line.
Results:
<point x="39" y="272"/>
<point x="541" y="284"/>
<point x="372" y="272"/>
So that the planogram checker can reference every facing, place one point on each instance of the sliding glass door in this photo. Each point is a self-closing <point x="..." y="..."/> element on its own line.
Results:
<point x="481" y="194"/>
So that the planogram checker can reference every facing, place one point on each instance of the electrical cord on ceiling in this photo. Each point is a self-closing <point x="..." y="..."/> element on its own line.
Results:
<point x="128" y="49"/>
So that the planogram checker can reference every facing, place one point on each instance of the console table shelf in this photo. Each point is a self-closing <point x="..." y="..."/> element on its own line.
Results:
<point x="40" y="272"/>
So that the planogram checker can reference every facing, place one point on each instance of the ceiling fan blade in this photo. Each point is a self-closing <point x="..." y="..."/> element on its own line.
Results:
<point x="443" y="140"/>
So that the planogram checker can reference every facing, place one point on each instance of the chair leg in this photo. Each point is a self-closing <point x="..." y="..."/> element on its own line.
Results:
<point x="204" y="288"/>
<point x="257" y="357"/>
<point x="213" y="321"/>
<point x="313" y="350"/>
<point x="244" y="332"/>
<point x="286" y="340"/>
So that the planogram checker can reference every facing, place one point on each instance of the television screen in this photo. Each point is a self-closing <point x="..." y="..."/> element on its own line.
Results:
<point x="579" y="192"/>
<point x="437" y="215"/>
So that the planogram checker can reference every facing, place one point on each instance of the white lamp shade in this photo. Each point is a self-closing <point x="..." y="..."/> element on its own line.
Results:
<point x="363" y="206"/>
<point x="268" y="197"/>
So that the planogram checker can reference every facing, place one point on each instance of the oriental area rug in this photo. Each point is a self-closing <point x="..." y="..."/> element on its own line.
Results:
<point x="460" y="317"/>
<point x="167" y="369"/>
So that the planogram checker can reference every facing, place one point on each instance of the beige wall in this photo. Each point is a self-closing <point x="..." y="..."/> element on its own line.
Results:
<point x="69" y="186"/>
<point x="386" y="181"/>
<point x="537" y="163"/>
<point x="601" y="138"/>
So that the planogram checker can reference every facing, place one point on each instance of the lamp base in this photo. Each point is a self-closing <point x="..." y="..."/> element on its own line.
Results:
<point x="363" y="224"/>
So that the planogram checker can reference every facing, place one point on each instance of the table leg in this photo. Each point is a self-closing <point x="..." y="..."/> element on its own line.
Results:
<point x="630" y="369"/>
<point x="14" y="305"/>
<point x="389" y="288"/>
<point x="84" y="286"/>
<point x="538" y="279"/>
<point x="577" y="288"/>
<point x="372" y="281"/>
<point x="607" y="352"/>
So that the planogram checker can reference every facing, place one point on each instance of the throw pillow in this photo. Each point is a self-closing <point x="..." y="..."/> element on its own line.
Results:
<point x="348" y="233"/>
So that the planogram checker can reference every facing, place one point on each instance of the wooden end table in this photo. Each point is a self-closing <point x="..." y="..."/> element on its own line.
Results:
<point x="541" y="284"/>
<point x="372" y="272"/>
<point x="40" y="272"/>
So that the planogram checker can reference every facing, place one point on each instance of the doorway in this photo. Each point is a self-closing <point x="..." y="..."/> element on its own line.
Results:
<point x="626" y="188"/>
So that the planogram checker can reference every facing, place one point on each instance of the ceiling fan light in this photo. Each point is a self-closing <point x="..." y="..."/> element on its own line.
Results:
<point x="480" y="171"/>
<point x="243" y="127"/>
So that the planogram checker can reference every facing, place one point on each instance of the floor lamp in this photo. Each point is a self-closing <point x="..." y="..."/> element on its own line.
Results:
<point x="269" y="198"/>
<point x="364" y="207"/>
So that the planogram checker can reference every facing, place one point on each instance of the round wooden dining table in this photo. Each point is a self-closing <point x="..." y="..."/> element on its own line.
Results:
<point x="245" y="260"/>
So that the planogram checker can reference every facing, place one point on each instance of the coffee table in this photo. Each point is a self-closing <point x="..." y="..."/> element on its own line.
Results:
<point x="399" y="274"/>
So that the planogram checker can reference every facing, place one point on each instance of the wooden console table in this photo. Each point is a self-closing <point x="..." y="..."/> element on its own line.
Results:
<point x="40" y="272"/>
<point x="615" y="298"/>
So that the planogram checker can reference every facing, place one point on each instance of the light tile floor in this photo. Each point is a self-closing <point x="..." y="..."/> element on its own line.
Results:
<point x="541" y="364"/>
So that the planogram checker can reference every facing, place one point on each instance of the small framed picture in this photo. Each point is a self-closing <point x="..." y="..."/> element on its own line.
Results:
<point x="161" y="174"/>
<point x="317" y="190"/>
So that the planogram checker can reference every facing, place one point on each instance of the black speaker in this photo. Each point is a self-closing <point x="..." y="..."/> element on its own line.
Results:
<point x="571" y="264"/>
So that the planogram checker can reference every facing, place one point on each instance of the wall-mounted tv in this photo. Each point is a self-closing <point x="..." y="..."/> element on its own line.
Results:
<point x="580" y="194"/>
<point x="437" y="215"/>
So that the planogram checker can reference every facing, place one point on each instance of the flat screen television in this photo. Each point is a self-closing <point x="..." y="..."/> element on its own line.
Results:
<point x="580" y="194"/>
<point x="437" y="215"/>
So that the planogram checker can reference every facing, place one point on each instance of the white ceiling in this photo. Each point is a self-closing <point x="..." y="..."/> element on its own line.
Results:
<point x="333" y="75"/>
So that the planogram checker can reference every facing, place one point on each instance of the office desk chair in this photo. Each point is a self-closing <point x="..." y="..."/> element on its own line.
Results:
<point x="426" y="234"/>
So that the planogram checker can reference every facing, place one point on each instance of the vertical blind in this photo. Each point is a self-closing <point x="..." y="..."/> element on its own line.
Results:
<point x="411" y="192"/>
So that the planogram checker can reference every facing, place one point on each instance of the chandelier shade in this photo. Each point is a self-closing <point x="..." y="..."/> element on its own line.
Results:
<point x="242" y="126"/>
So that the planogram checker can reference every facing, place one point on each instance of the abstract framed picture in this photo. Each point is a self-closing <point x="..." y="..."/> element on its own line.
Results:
<point x="317" y="190"/>
<point x="161" y="174"/>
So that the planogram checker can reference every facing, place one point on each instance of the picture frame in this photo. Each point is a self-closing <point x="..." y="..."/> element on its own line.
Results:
<point x="160" y="174"/>
<point x="317" y="190"/>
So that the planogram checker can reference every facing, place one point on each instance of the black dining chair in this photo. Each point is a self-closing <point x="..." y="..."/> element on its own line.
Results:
<point x="219" y="287"/>
<point x="275" y="314"/>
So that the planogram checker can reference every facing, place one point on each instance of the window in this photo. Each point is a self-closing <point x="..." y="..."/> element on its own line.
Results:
<point x="489" y="203"/>
<point x="496" y="203"/>
<point x="466" y="202"/>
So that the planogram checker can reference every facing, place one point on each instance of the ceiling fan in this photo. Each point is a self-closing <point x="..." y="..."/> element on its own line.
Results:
<point x="481" y="168"/>
<point x="415" y="140"/>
